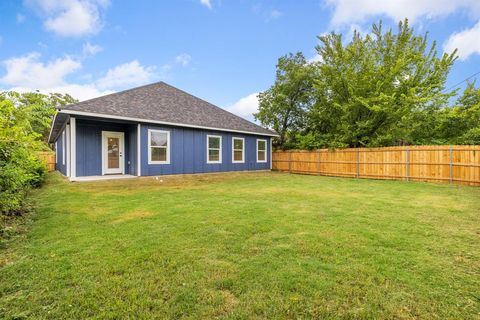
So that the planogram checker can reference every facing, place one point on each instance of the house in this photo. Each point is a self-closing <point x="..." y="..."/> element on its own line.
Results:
<point x="155" y="130"/>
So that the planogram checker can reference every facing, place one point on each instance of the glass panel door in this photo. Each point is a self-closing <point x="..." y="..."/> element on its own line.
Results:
<point x="113" y="150"/>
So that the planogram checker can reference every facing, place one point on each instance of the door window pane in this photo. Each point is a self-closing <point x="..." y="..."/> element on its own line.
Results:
<point x="113" y="153"/>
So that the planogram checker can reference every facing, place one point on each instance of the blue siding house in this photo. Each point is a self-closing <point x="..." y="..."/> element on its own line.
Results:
<point x="155" y="130"/>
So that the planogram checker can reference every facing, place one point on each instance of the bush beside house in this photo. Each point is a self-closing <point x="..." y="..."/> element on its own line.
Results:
<point x="24" y="123"/>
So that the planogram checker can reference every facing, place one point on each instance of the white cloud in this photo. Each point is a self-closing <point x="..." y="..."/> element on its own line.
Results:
<point x="90" y="49"/>
<point x="245" y="107"/>
<point x="28" y="73"/>
<point x="206" y="3"/>
<point x="20" y="18"/>
<point x="71" y="18"/>
<point x="129" y="74"/>
<point x="183" y="59"/>
<point x="78" y="91"/>
<point x="466" y="41"/>
<point x="351" y="11"/>
<point x="275" y="14"/>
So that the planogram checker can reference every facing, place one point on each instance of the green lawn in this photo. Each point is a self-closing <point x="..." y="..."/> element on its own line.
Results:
<point x="242" y="246"/>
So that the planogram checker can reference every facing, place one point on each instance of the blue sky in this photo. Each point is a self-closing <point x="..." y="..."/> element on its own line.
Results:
<point x="222" y="51"/>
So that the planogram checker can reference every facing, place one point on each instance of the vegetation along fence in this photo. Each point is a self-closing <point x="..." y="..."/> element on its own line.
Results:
<point x="49" y="159"/>
<point x="450" y="164"/>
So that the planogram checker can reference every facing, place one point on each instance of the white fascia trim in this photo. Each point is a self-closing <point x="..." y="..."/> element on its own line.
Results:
<point x="101" y="115"/>
<point x="139" y="140"/>
<point x="51" y="127"/>
<point x="220" y="150"/>
<point x="150" y="161"/>
<point x="233" y="149"/>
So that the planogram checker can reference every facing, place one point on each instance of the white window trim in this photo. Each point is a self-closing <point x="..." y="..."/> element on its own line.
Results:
<point x="233" y="150"/>
<point x="56" y="152"/>
<point x="150" y="161"/>
<point x="265" y="151"/>
<point x="63" y="147"/>
<point x="219" y="150"/>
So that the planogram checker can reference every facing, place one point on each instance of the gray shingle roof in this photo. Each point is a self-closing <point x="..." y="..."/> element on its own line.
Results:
<point x="162" y="102"/>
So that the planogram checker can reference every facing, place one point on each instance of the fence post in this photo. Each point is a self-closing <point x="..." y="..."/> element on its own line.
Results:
<point x="407" y="164"/>
<point x="358" y="163"/>
<point x="451" y="164"/>
<point x="290" y="161"/>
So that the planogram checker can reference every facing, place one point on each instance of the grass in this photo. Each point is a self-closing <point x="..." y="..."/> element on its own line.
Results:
<point x="242" y="246"/>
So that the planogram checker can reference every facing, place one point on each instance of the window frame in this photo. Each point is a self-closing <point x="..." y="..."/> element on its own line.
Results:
<point x="264" y="151"/>
<point x="233" y="150"/>
<point x="219" y="149"/>
<point x="150" y="161"/>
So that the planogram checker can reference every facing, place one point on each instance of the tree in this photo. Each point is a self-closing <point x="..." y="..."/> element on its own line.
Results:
<point x="38" y="107"/>
<point x="378" y="90"/>
<point x="25" y="121"/>
<point x="460" y="124"/>
<point x="283" y="106"/>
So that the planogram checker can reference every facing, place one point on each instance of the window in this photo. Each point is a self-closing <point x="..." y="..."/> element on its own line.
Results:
<point x="63" y="147"/>
<point x="238" y="153"/>
<point x="214" y="149"/>
<point x="158" y="147"/>
<point x="261" y="150"/>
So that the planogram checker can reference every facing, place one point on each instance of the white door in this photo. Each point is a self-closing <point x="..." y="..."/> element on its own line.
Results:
<point x="113" y="152"/>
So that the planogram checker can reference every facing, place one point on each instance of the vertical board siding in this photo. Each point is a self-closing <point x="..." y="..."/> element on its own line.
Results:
<point x="188" y="152"/>
<point x="89" y="146"/>
<point x="448" y="164"/>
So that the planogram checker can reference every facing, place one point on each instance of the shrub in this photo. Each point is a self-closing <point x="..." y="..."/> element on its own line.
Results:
<point x="20" y="168"/>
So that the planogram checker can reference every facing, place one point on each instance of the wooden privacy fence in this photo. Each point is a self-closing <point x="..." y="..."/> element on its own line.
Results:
<point x="49" y="159"/>
<point x="451" y="164"/>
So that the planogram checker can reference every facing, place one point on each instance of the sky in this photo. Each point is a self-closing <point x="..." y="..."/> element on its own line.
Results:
<point x="223" y="51"/>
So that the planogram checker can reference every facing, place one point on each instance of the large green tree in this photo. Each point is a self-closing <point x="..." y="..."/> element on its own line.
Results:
<point x="39" y="108"/>
<point x="379" y="89"/>
<point x="283" y="106"/>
